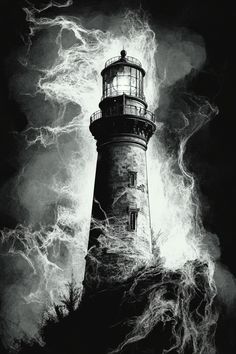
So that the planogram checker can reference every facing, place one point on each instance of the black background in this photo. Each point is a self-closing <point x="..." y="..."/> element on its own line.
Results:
<point x="211" y="152"/>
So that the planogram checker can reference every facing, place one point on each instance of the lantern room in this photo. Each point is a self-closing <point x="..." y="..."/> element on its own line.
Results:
<point x="122" y="91"/>
<point x="123" y="75"/>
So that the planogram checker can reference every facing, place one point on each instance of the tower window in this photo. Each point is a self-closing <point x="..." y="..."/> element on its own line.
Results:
<point x="132" y="179"/>
<point x="133" y="220"/>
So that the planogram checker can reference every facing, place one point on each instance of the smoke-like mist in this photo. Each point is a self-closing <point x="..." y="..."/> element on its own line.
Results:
<point x="58" y="86"/>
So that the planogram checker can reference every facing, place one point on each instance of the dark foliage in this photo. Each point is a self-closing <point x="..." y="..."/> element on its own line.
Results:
<point x="104" y="318"/>
<point x="98" y="325"/>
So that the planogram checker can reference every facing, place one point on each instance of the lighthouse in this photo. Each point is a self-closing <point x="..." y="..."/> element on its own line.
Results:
<point x="120" y="234"/>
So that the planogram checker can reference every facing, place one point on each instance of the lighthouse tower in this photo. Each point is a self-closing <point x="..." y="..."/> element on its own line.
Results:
<point x="122" y="127"/>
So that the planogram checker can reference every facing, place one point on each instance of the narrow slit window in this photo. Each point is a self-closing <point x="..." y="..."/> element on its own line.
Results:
<point x="133" y="220"/>
<point x="132" y="179"/>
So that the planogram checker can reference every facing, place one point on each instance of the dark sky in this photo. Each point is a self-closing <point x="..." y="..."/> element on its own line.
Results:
<point x="211" y="152"/>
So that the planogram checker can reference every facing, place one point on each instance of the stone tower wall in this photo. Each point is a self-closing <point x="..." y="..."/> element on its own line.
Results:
<point x="117" y="198"/>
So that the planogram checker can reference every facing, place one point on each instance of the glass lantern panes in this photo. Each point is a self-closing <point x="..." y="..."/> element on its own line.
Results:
<point x="123" y="79"/>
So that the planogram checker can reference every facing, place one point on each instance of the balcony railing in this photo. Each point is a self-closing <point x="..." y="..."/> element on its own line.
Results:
<point x="125" y="110"/>
<point x="128" y="59"/>
<point x="96" y="115"/>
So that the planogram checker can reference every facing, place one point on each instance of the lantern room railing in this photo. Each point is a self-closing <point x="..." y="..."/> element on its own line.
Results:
<point x="125" y="110"/>
<point x="130" y="60"/>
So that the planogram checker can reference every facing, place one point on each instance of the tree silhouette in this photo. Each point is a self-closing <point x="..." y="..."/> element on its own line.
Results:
<point x="71" y="299"/>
